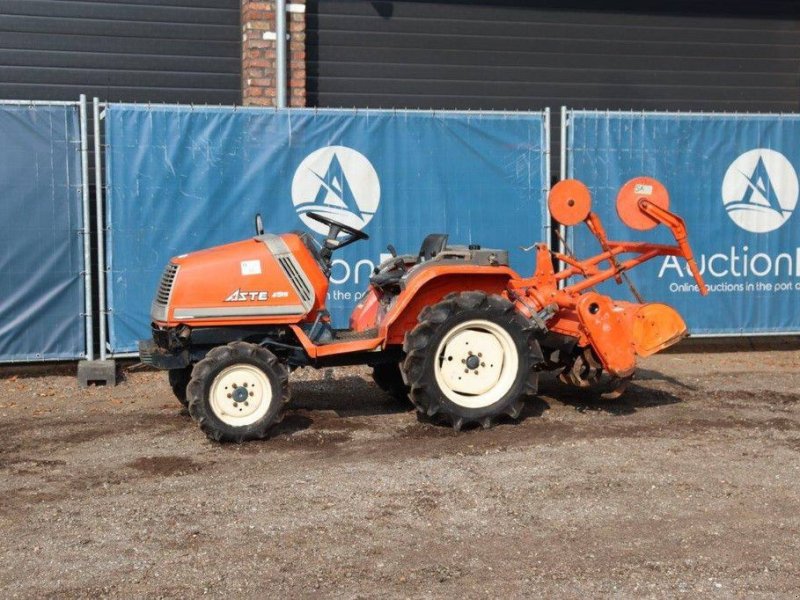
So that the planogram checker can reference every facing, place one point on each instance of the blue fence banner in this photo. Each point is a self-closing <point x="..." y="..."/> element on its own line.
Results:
<point x="41" y="217"/>
<point x="733" y="178"/>
<point x="180" y="179"/>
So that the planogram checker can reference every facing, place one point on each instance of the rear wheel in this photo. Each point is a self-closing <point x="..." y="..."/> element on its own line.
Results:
<point x="178" y="380"/>
<point x="471" y="358"/>
<point x="388" y="377"/>
<point x="238" y="392"/>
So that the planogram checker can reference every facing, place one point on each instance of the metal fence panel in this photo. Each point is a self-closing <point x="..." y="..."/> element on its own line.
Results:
<point x="182" y="178"/>
<point x="733" y="178"/>
<point x="41" y="285"/>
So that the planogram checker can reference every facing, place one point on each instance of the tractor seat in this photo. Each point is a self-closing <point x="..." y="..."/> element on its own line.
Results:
<point x="389" y="280"/>
<point x="432" y="245"/>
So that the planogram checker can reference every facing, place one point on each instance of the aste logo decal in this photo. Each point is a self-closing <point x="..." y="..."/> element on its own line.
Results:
<point x="339" y="183"/>
<point x="238" y="295"/>
<point x="760" y="190"/>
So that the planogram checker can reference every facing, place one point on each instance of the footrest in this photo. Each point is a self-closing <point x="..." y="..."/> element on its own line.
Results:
<point x="348" y="335"/>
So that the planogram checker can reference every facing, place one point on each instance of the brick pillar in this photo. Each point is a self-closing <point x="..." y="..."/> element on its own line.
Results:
<point x="258" y="53"/>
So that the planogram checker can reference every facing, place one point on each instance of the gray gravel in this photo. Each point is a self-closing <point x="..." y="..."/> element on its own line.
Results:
<point x="688" y="486"/>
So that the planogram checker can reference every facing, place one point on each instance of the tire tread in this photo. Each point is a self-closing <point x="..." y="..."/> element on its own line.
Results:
<point x="425" y="394"/>
<point x="216" y="360"/>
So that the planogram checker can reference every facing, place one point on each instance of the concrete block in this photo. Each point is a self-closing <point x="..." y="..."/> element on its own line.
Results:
<point x="98" y="372"/>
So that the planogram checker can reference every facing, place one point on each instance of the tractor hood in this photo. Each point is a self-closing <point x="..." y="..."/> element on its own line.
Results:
<point x="265" y="279"/>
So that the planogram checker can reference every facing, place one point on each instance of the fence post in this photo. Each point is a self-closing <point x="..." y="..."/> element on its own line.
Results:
<point x="99" y="207"/>
<point x="562" y="230"/>
<point x="87" y="247"/>
<point x="547" y="176"/>
<point x="91" y="370"/>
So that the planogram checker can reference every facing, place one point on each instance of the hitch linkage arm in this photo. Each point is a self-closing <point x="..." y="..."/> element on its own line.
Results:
<point x="678" y="228"/>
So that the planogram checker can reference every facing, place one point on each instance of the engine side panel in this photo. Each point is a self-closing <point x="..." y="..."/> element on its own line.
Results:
<point x="249" y="282"/>
<point x="310" y="266"/>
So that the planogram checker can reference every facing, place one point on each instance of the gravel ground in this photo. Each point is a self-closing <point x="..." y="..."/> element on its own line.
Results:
<point x="688" y="485"/>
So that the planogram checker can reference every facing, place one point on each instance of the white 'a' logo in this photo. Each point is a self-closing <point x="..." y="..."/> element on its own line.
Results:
<point x="339" y="183"/>
<point x="760" y="190"/>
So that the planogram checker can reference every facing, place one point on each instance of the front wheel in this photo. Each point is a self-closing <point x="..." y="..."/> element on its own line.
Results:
<point x="238" y="392"/>
<point x="471" y="358"/>
<point x="178" y="381"/>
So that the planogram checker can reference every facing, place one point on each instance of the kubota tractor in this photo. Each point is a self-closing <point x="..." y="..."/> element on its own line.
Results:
<point x="453" y="327"/>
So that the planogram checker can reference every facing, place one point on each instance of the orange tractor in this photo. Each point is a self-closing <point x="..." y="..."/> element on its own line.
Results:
<point x="453" y="328"/>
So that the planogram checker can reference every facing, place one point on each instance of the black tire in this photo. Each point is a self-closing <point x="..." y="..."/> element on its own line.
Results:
<point x="204" y="375"/>
<point x="389" y="378"/>
<point x="434" y="323"/>
<point x="178" y="380"/>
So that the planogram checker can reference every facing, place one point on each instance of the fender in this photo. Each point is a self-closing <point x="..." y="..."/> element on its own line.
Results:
<point x="427" y="287"/>
<point x="434" y="282"/>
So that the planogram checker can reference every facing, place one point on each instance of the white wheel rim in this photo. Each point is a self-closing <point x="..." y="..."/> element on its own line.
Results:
<point x="476" y="363"/>
<point x="240" y="395"/>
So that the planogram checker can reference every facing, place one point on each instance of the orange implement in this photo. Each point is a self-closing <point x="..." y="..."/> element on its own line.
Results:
<point x="656" y="327"/>
<point x="635" y="190"/>
<point x="570" y="202"/>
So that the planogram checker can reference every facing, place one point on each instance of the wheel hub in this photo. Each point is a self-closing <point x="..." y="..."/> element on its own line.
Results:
<point x="473" y="362"/>
<point x="240" y="394"/>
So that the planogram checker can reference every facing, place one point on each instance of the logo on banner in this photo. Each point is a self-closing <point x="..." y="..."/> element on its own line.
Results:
<point x="760" y="190"/>
<point x="339" y="183"/>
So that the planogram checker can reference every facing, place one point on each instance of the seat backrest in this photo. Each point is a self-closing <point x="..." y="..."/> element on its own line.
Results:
<point x="432" y="245"/>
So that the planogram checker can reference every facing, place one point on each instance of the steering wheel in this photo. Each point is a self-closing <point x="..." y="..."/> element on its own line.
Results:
<point x="332" y="242"/>
<point x="336" y="227"/>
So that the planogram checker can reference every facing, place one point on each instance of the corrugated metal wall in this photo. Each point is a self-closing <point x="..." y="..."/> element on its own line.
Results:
<point x="129" y="50"/>
<point x="681" y="55"/>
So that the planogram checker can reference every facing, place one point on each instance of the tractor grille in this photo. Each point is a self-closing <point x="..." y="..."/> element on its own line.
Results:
<point x="165" y="287"/>
<point x="299" y="283"/>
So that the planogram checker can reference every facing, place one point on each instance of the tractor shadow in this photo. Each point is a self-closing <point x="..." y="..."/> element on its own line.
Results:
<point x="534" y="406"/>
<point x="319" y="402"/>
<point x="353" y="396"/>
<point x="349" y="396"/>
<point x="328" y="402"/>
<point x="636" y="397"/>
<point x="652" y="375"/>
